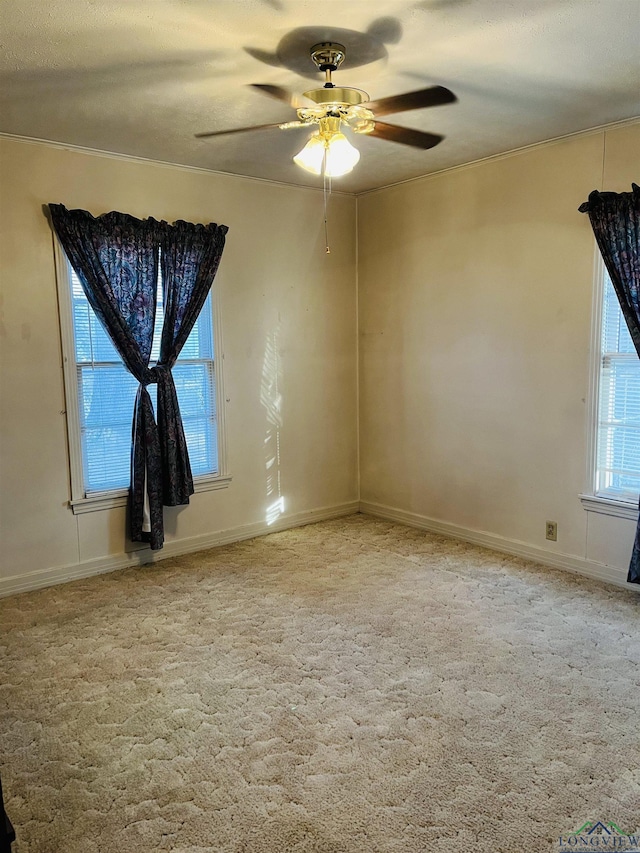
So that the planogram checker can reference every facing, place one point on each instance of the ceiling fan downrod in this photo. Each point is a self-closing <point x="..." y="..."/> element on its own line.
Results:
<point x="328" y="56"/>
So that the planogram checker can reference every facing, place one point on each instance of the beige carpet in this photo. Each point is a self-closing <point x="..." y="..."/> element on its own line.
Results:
<point x="349" y="687"/>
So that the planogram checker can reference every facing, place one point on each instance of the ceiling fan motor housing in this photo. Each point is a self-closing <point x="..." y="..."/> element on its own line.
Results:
<point x="344" y="96"/>
<point x="328" y="56"/>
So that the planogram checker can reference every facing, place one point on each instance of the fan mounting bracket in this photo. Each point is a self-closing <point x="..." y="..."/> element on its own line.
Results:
<point x="328" y="55"/>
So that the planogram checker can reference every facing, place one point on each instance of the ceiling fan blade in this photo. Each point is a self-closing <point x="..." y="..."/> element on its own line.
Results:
<point x="405" y="135"/>
<point x="431" y="97"/>
<point x="279" y="93"/>
<point x="238" y="130"/>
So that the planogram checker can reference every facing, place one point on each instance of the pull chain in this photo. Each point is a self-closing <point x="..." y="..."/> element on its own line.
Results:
<point x="325" y="183"/>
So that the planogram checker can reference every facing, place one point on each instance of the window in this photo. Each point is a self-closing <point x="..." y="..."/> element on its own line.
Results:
<point x="617" y="456"/>
<point x="101" y="394"/>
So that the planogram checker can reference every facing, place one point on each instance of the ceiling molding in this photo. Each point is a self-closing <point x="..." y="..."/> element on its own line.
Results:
<point x="592" y="131"/>
<point x="132" y="158"/>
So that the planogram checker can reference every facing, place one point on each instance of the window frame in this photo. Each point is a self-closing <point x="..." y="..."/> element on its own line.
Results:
<point x="81" y="502"/>
<point x="590" y="499"/>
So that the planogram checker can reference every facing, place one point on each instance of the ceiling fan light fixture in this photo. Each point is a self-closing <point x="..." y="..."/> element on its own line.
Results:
<point x="311" y="157"/>
<point x="341" y="156"/>
<point x="328" y="151"/>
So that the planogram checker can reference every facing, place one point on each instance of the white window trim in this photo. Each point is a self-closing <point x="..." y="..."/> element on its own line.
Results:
<point x="608" y="506"/>
<point x="80" y="502"/>
<point x="589" y="499"/>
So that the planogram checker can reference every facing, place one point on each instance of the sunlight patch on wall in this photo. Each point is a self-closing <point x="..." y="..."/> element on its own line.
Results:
<point x="275" y="511"/>
<point x="271" y="399"/>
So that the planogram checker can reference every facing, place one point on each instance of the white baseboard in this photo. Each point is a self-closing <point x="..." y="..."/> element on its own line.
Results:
<point x="568" y="562"/>
<point x="61" y="574"/>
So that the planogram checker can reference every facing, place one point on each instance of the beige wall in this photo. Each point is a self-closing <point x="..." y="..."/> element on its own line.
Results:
<point x="474" y="335"/>
<point x="475" y="293"/>
<point x="285" y="305"/>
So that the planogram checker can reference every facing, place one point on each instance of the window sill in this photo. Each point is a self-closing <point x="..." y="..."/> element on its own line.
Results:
<point x="608" y="506"/>
<point x="117" y="498"/>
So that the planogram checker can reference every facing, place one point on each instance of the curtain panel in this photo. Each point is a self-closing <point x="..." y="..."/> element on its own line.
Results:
<point x="190" y="258"/>
<point x="115" y="257"/>
<point x="615" y="219"/>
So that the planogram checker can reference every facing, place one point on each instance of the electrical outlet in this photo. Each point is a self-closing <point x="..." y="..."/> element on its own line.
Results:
<point x="552" y="530"/>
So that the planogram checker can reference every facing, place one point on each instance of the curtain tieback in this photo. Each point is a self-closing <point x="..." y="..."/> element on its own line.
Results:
<point x="156" y="374"/>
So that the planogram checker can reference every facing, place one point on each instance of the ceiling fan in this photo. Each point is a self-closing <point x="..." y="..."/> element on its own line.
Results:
<point x="328" y="151"/>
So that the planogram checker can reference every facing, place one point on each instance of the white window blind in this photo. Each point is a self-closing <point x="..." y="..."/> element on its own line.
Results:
<point x="618" y="450"/>
<point x="106" y="395"/>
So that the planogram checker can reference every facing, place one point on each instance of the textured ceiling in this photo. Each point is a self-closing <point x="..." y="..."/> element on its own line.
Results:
<point x="141" y="77"/>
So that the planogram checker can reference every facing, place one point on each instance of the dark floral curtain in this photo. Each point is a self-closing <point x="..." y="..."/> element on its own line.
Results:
<point x="116" y="259"/>
<point x="615" y="219"/>
<point x="190" y="258"/>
